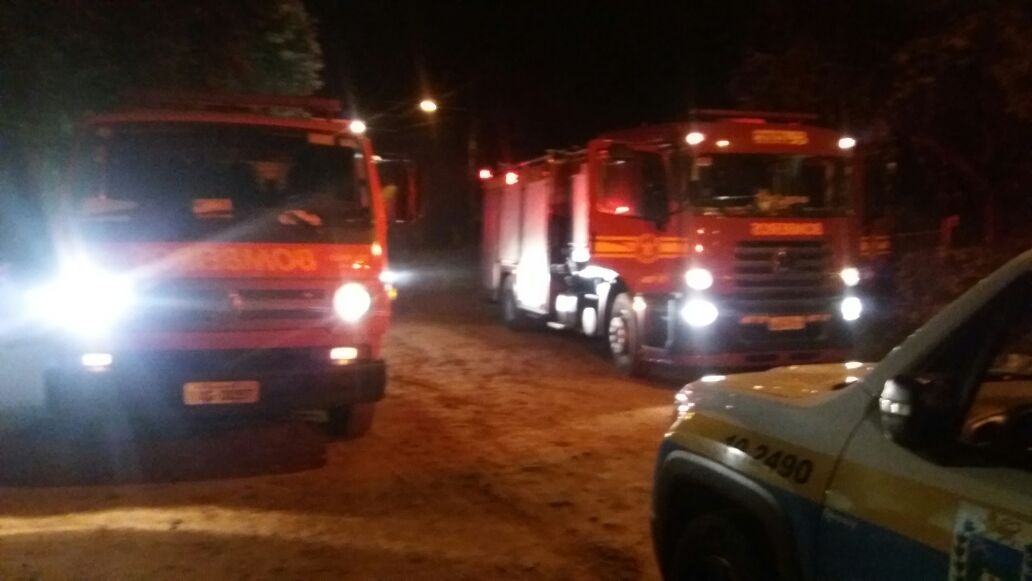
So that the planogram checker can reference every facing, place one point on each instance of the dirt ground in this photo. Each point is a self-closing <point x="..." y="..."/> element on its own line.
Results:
<point x="496" y="455"/>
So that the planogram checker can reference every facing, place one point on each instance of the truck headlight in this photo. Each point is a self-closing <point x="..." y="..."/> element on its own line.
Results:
<point x="851" y="308"/>
<point x="698" y="279"/>
<point x="352" y="301"/>
<point x="850" y="276"/>
<point x="699" y="313"/>
<point x="83" y="299"/>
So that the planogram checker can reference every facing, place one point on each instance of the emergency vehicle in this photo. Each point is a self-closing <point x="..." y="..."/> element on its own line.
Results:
<point x="221" y="255"/>
<point x="727" y="240"/>
<point x="918" y="467"/>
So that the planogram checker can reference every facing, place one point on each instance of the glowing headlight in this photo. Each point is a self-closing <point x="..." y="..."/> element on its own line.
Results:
<point x="699" y="313"/>
<point x="352" y="301"/>
<point x="850" y="276"/>
<point x="698" y="278"/>
<point x="84" y="299"/>
<point x="851" y="308"/>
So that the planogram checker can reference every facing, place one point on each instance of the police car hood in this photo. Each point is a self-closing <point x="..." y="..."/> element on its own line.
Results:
<point x="792" y="382"/>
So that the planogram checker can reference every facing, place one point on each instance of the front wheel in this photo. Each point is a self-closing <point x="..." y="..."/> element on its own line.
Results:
<point x="718" y="547"/>
<point x="624" y="337"/>
<point x="349" y="421"/>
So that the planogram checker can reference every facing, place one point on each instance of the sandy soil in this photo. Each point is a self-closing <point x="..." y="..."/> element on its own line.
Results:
<point x="496" y="455"/>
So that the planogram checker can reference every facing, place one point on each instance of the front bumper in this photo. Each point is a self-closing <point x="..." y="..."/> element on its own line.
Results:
<point x="152" y="383"/>
<point x="741" y="337"/>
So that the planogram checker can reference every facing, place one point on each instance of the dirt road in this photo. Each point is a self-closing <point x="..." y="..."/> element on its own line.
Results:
<point x="496" y="455"/>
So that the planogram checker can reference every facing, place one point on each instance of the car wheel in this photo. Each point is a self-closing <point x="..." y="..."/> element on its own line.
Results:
<point x="624" y="337"/>
<point x="718" y="547"/>
<point x="349" y="421"/>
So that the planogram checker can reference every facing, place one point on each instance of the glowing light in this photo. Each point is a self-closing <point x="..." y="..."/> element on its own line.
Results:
<point x="358" y="127"/>
<point x="712" y="378"/>
<point x="84" y="299"/>
<point x="694" y="138"/>
<point x="428" y="105"/>
<point x="850" y="276"/>
<point x="343" y="354"/>
<point x="352" y="301"/>
<point x="851" y="308"/>
<point x="638" y="305"/>
<point x="376" y="249"/>
<point x="698" y="279"/>
<point x="511" y="178"/>
<point x="846" y="143"/>
<point x="723" y="143"/>
<point x="853" y="364"/>
<point x="485" y="174"/>
<point x="389" y="277"/>
<point x="699" y="248"/>
<point x="97" y="361"/>
<point x="852" y="379"/>
<point x="622" y="209"/>
<point x="699" y="313"/>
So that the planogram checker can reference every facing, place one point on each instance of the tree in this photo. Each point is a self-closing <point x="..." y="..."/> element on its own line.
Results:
<point x="944" y="90"/>
<point x="59" y="60"/>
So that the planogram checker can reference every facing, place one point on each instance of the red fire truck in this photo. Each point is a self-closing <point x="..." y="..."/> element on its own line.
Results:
<point x="724" y="241"/>
<point x="222" y="255"/>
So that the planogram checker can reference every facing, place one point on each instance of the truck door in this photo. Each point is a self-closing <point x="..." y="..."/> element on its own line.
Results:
<point x="630" y="210"/>
<point x="958" y="506"/>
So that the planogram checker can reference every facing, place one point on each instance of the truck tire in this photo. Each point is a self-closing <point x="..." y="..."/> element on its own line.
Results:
<point x="718" y="546"/>
<point x="349" y="421"/>
<point x="514" y="317"/>
<point x="624" y="337"/>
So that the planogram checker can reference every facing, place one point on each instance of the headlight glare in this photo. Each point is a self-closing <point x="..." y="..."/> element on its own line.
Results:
<point x="851" y="308"/>
<point x="699" y="313"/>
<point x="850" y="276"/>
<point x="352" y="301"/>
<point x="698" y="279"/>
<point x="83" y="299"/>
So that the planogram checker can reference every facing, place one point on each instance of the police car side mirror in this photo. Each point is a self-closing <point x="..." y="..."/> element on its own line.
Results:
<point x="916" y="411"/>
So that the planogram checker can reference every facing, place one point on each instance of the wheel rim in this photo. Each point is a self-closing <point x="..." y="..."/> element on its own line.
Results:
<point x="618" y="335"/>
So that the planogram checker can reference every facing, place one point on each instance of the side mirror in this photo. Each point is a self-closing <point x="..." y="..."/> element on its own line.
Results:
<point x="916" y="412"/>
<point x="399" y="185"/>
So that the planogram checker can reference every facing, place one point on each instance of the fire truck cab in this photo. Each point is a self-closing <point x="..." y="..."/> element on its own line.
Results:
<point x="727" y="240"/>
<point x="221" y="255"/>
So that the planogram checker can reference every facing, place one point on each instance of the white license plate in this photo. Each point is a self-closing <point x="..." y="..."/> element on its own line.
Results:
<point x="220" y="392"/>
<point x="786" y="323"/>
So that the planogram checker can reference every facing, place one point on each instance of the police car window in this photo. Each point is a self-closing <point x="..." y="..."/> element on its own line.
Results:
<point x="1001" y="409"/>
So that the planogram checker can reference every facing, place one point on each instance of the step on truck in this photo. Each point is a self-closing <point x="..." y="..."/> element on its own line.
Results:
<point x="221" y="255"/>
<point x="726" y="240"/>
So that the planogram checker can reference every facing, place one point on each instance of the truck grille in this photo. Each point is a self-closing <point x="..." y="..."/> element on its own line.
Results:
<point x="780" y="277"/>
<point x="191" y="306"/>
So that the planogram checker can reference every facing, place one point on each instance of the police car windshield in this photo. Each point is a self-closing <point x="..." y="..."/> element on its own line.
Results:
<point x="766" y="184"/>
<point x="192" y="181"/>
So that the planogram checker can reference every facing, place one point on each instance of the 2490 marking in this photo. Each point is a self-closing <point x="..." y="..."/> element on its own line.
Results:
<point x="785" y="464"/>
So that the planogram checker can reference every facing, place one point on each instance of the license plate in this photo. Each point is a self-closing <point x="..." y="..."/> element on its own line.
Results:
<point x="220" y="392"/>
<point x="786" y="323"/>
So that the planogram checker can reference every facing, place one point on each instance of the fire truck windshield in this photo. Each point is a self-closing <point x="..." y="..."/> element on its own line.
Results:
<point x="194" y="181"/>
<point x="767" y="184"/>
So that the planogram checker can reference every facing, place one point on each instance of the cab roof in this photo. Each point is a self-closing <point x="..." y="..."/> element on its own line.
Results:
<point x="307" y="113"/>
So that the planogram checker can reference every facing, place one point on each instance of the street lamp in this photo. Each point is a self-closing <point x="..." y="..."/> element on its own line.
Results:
<point x="428" y="105"/>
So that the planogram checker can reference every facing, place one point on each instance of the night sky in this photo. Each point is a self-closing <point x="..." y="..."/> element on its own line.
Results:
<point x="524" y="76"/>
